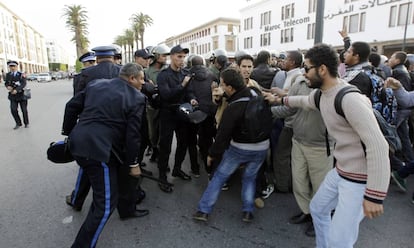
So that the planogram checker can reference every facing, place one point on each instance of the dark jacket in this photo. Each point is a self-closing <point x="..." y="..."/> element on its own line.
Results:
<point x="400" y="73"/>
<point x="232" y="125"/>
<point x="110" y="115"/>
<point x="201" y="86"/>
<point x="263" y="74"/>
<point x="105" y="69"/>
<point x="171" y="91"/>
<point x="18" y="83"/>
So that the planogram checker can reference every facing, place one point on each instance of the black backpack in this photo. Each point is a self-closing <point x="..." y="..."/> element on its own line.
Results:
<point x="389" y="131"/>
<point x="257" y="117"/>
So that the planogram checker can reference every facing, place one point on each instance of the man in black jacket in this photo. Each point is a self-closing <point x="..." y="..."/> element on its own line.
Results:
<point x="206" y="130"/>
<point x="15" y="82"/>
<point x="174" y="89"/>
<point x="103" y="123"/>
<point x="234" y="144"/>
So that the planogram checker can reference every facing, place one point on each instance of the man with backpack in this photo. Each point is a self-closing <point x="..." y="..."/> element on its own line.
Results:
<point x="359" y="182"/>
<point x="237" y="142"/>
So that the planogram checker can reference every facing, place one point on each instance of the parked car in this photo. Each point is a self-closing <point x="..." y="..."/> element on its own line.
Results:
<point x="32" y="77"/>
<point x="44" y="77"/>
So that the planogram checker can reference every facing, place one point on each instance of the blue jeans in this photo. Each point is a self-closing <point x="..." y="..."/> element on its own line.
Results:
<point x="232" y="158"/>
<point x="346" y="198"/>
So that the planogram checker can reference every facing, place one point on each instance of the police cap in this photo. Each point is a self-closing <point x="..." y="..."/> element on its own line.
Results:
<point x="104" y="50"/>
<point x="89" y="56"/>
<point x="143" y="53"/>
<point x="12" y="63"/>
<point x="179" y="49"/>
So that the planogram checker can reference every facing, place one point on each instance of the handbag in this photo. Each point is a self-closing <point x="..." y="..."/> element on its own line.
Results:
<point x="27" y="93"/>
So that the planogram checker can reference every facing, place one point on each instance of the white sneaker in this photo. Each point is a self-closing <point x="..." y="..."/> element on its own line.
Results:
<point x="268" y="191"/>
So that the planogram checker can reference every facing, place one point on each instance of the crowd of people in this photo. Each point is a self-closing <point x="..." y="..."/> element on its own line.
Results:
<point x="337" y="166"/>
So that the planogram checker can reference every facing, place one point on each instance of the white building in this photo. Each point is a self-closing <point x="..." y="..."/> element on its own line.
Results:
<point x="57" y="55"/>
<point x="283" y="25"/>
<point x="218" y="33"/>
<point x="20" y="42"/>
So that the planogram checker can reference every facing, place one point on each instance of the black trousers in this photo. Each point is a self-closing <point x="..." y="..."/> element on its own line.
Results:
<point x="23" y="106"/>
<point x="206" y="133"/>
<point x="170" y="123"/>
<point x="103" y="180"/>
<point x="81" y="190"/>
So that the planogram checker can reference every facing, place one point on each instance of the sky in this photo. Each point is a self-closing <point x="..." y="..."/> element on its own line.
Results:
<point x="108" y="19"/>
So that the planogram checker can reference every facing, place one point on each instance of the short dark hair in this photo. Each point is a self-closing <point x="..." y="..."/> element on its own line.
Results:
<point x="263" y="57"/>
<point x="233" y="78"/>
<point x="362" y="49"/>
<point x="402" y="56"/>
<point x="374" y="59"/>
<point x="323" y="54"/>
<point x="244" y="57"/>
<point x="296" y="57"/>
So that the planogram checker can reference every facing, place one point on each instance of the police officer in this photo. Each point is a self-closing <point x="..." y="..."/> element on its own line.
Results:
<point x="15" y="83"/>
<point x="87" y="59"/>
<point x="118" y="54"/>
<point x="110" y="112"/>
<point x="161" y="53"/>
<point x="174" y="88"/>
<point x="104" y="69"/>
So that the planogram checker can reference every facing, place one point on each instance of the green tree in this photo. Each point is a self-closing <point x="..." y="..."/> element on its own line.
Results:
<point x="120" y="40"/>
<point x="139" y="22"/>
<point x="129" y="41"/>
<point x="77" y="22"/>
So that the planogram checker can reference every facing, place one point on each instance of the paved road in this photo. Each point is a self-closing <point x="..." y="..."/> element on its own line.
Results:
<point x="33" y="212"/>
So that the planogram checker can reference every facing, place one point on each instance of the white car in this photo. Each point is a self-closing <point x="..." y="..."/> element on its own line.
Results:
<point x="44" y="77"/>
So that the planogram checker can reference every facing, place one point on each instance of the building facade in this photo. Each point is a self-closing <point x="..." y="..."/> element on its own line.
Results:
<point x="219" y="33"/>
<point x="282" y="25"/>
<point x="22" y="43"/>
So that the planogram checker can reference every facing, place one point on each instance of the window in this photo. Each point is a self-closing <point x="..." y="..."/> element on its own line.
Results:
<point x="393" y="15"/>
<point x="398" y="14"/>
<point x="403" y="12"/>
<point x="230" y="28"/>
<point x="312" y="6"/>
<point x="286" y="35"/>
<point x="265" y="18"/>
<point x="362" y="22"/>
<point x="265" y="39"/>
<point x="355" y="23"/>
<point x="248" y="23"/>
<point x="288" y="11"/>
<point x="311" y="31"/>
<point x="248" y="42"/>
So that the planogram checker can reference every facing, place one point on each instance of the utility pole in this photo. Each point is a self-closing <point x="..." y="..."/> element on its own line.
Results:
<point x="406" y="24"/>
<point x="320" y="9"/>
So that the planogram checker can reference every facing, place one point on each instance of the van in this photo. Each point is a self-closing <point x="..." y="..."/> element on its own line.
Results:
<point x="44" y="77"/>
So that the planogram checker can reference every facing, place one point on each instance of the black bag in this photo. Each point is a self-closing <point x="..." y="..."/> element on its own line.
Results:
<point x="59" y="152"/>
<point x="257" y="117"/>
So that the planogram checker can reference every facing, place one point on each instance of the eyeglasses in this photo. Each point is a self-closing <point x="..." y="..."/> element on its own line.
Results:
<point x="307" y="69"/>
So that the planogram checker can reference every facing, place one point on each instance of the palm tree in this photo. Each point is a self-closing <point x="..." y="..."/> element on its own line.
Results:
<point x="139" y="22"/>
<point x="129" y="41"/>
<point x="76" y="22"/>
<point x="121" y="41"/>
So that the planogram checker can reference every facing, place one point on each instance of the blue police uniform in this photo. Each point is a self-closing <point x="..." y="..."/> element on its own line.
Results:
<point x="103" y="70"/>
<point x="17" y="81"/>
<point x="110" y="114"/>
<point x="86" y="57"/>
